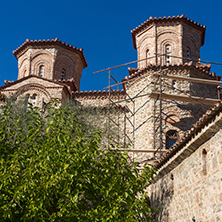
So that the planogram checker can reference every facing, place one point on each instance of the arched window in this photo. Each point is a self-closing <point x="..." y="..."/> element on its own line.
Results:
<point x="25" y="73"/>
<point x="188" y="54"/>
<point x="34" y="99"/>
<point x="63" y="76"/>
<point x="204" y="161"/>
<point x="168" y="53"/>
<point x="147" y="57"/>
<point x="171" y="138"/>
<point x="41" y="71"/>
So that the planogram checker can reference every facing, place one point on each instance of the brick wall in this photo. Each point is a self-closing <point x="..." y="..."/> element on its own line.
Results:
<point x="54" y="61"/>
<point x="155" y="38"/>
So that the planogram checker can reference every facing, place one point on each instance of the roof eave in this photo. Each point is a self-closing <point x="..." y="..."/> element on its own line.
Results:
<point x="173" y="19"/>
<point x="53" y="42"/>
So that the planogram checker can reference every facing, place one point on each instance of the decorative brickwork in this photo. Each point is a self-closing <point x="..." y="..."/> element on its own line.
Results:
<point x="177" y="36"/>
<point x="50" y="59"/>
<point x="188" y="184"/>
<point x="43" y="88"/>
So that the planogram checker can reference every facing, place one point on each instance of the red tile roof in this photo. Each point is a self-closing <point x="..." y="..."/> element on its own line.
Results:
<point x="100" y="94"/>
<point x="10" y="83"/>
<point x="70" y="82"/>
<point x="204" y="70"/>
<point x="173" y="19"/>
<point x="52" y="42"/>
<point x="207" y="118"/>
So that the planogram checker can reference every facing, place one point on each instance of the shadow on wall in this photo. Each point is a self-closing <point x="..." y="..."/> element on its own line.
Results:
<point x="196" y="111"/>
<point x="161" y="197"/>
<point x="184" y="123"/>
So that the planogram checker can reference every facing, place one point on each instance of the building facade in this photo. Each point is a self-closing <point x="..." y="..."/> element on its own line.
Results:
<point x="162" y="99"/>
<point x="165" y="46"/>
<point x="46" y="69"/>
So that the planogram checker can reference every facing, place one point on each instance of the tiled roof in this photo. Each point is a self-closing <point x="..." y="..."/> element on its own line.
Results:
<point x="50" y="43"/>
<point x="10" y="83"/>
<point x="132" y="70"/>
<point x="100" y="94"/>
<point x="205" y="70"/>
<point x="207" y="118"/>
<point x="169" y="19"/>
<point x="70" y="82"/>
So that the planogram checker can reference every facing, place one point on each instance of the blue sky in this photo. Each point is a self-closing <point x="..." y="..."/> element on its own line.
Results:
<point x="101" y="28"/>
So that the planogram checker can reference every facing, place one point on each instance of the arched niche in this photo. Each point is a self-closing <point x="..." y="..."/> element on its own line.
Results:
<point x="36" y="94"/>
<point x="42" y="59"/>
<point x="64" y="63"/>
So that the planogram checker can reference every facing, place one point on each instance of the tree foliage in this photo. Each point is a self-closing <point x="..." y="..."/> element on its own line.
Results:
<point x="51" y="169"/>
<point x="97" y="118"/>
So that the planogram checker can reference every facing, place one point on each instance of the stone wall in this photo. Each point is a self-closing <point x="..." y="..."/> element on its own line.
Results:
<point x="140" y="124"/>
<point x="111" y="118"/>
<point x="189" y="187"/>
<point x="176" y="115"/>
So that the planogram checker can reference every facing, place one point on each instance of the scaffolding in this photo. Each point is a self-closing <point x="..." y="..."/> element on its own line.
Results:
<point x="159" y="98"/>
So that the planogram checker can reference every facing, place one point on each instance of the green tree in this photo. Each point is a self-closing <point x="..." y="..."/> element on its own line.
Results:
<point x="51" y="169"/>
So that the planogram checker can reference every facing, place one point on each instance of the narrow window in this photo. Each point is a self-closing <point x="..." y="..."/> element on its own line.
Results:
<point x="168" y="52"/>
<point x="171" y="185"/>
<point x="41" y="71"/>
<point x="25" y="73"/>
<point x="147" y="57"/>
<point x="173" y="84"/>
<point x="171" y="138"/>
<point x="204" y="160"/>
<point x="63" y="76"/>
<point x="188" y="54"/>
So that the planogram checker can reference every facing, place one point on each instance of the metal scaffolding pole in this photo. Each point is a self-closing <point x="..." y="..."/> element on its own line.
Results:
<point x="130" y="123"/>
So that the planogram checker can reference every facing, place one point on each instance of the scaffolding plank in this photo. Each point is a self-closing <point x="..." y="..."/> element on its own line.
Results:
<point x="198" y="80"/>
<point x="140" y="151"/>
<point x="190" y="99"/>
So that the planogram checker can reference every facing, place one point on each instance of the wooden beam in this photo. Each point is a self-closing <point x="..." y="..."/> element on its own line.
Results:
<point x="190" y="99"/>
<point x="198" y="80"/>
<point x="140" y="151"/>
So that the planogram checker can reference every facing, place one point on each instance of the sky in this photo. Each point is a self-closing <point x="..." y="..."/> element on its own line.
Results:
<point x="101" y="28"/>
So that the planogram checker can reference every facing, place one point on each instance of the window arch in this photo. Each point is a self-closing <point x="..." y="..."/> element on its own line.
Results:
<point x="41" y="71"/>
<point x="171" y="138"/>
<point x="168" y="53"/>
<point x="25" y="73"/>
<point x="204" y="161"/>
<point x="147" y="57"/>
<point x="63" y="75"/>
<point x="188" y="54"/>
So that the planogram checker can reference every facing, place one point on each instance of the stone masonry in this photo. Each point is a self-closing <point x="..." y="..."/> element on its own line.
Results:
<point x="188" y="185"/>
<point x="52" y="69"/>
